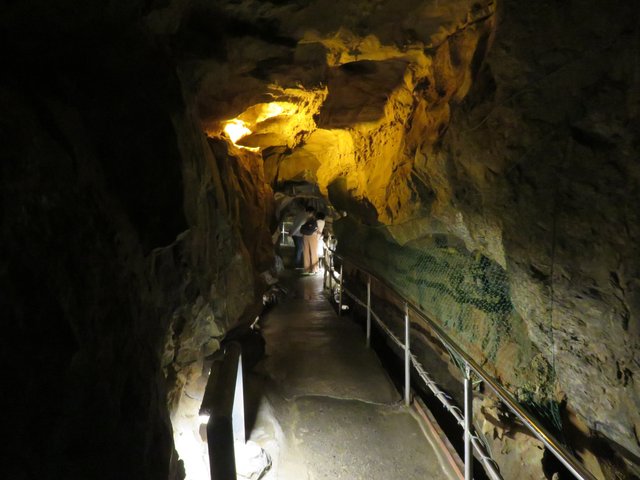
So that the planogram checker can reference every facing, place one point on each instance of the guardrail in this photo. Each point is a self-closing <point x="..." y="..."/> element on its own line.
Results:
<point x="224" y="403"/>
<point x="465" y="420"/>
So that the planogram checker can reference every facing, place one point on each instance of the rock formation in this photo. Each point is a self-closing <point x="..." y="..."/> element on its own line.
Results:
<point x="130" y="243"/>
<point x="488" y="148"/>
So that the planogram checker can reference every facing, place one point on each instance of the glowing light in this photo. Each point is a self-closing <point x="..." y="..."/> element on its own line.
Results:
<point x="272" y="109"/>
<point x="189" y="431"/>
<point x="236" y="129"/>
<point x="251" y="121"/>
<point x="192" y="448"/>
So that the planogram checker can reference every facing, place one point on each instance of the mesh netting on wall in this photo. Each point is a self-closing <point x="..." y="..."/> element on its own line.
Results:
<point x="469" y="296"/>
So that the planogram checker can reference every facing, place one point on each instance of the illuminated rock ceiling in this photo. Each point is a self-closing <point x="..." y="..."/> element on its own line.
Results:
<point x="502" y="136"/>
<point x="346" y="94"/>
<point x="497" y="124"/>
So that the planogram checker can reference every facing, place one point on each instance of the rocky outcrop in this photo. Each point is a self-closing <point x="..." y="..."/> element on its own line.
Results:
<point x="361" y="87"/>
<point x="129" y="247"/>
<point x="494" y="143"/>
<point x="497" y="136"/>
<point x="532" y="158"/>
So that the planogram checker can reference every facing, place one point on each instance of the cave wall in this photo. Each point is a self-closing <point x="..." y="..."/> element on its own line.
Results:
<point x="124" y="256"/>
<point x="537" y="171"/>
<point x="543" y="153"/>
<point x="501" y="133"/>
<point x="504" y="132"/>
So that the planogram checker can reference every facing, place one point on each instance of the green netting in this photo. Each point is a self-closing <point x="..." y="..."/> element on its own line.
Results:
<point x="469" y="296"/>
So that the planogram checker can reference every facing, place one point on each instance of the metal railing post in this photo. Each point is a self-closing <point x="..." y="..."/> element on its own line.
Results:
<point x="561" y="452"/>
<point x="368" y="311"/>
<point x="407" y="356"/>
<point x="341" y="283"/>
<point x="468" y="423"/>
<point x="224" y="403"/>
<point x="237" y="413"/>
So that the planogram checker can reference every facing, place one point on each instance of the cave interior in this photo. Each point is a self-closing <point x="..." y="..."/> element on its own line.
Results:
<point x="480" y="155"/>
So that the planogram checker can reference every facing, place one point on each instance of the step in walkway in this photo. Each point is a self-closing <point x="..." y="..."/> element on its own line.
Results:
<point x="324" y="406"/>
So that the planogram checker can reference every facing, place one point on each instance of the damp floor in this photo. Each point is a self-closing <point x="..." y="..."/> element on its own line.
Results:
<point x="324" y="407"/>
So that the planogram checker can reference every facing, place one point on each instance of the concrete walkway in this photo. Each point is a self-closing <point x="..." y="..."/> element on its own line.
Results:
<point x="324" y="406"/>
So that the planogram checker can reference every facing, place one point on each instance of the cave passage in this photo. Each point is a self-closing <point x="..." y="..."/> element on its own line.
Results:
<point x="480" y="156"/>
<point x="326" y="408"/>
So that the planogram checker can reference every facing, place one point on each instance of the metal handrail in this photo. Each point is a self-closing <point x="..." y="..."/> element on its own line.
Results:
<point x="223" y="402"/>
<point x="433" y="386"/>
<point x="471" y="441"/>
<point x="534" y="425"/>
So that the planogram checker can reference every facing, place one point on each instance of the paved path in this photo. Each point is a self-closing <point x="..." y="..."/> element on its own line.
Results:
<point x="326" y="408"/>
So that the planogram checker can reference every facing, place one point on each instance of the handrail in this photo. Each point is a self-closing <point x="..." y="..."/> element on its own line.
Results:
<point x="561" y="453"/>
<point x="471" y="441"/>
<point x="435" y="389"/>
<point x="224" y="403"/>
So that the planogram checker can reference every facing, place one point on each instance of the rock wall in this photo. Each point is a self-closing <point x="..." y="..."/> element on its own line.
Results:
<point x="128" y="247"/>
<point x="536" y="169"/>
<point x="506" y="129"/>
<point x="498" y="137"/>
<point x="502" y="130"/>
<point x="543" y="155"/>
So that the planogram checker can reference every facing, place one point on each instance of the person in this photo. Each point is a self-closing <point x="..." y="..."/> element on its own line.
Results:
<point x="310" y="245"/>
<point x="298" y="221"/>
<point x="330" y="244"/>
<point x="320" y="232"/>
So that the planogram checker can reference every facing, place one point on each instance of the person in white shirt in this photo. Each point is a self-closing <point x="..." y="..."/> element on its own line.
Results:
<point x="310" y="245"/>
<point x="320" y="216"/>
<point x="295" y="233"/>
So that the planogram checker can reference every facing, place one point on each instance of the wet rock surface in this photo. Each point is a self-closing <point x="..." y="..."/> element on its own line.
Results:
<point x="500" y="135"/>
<point x="510" y="134"/>
<point x="524" y="170"/>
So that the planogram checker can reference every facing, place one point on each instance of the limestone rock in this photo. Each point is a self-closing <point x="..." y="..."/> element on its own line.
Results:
<point x="494" y="141"/>
<point x="499" y="146"/>
<point x="252" y="462"/>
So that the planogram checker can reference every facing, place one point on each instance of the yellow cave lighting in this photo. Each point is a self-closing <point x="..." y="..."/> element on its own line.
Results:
<point x="251" y="121"/>
<point x="270" y="110"/>
<point x="274" y="109"/>
<point x="235" y="130"/>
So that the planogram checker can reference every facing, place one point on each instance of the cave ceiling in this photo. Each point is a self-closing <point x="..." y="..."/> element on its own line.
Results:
<point x="348" y="95"/>
<point x="509" y="127"/>
<point x="486" y="153"/>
